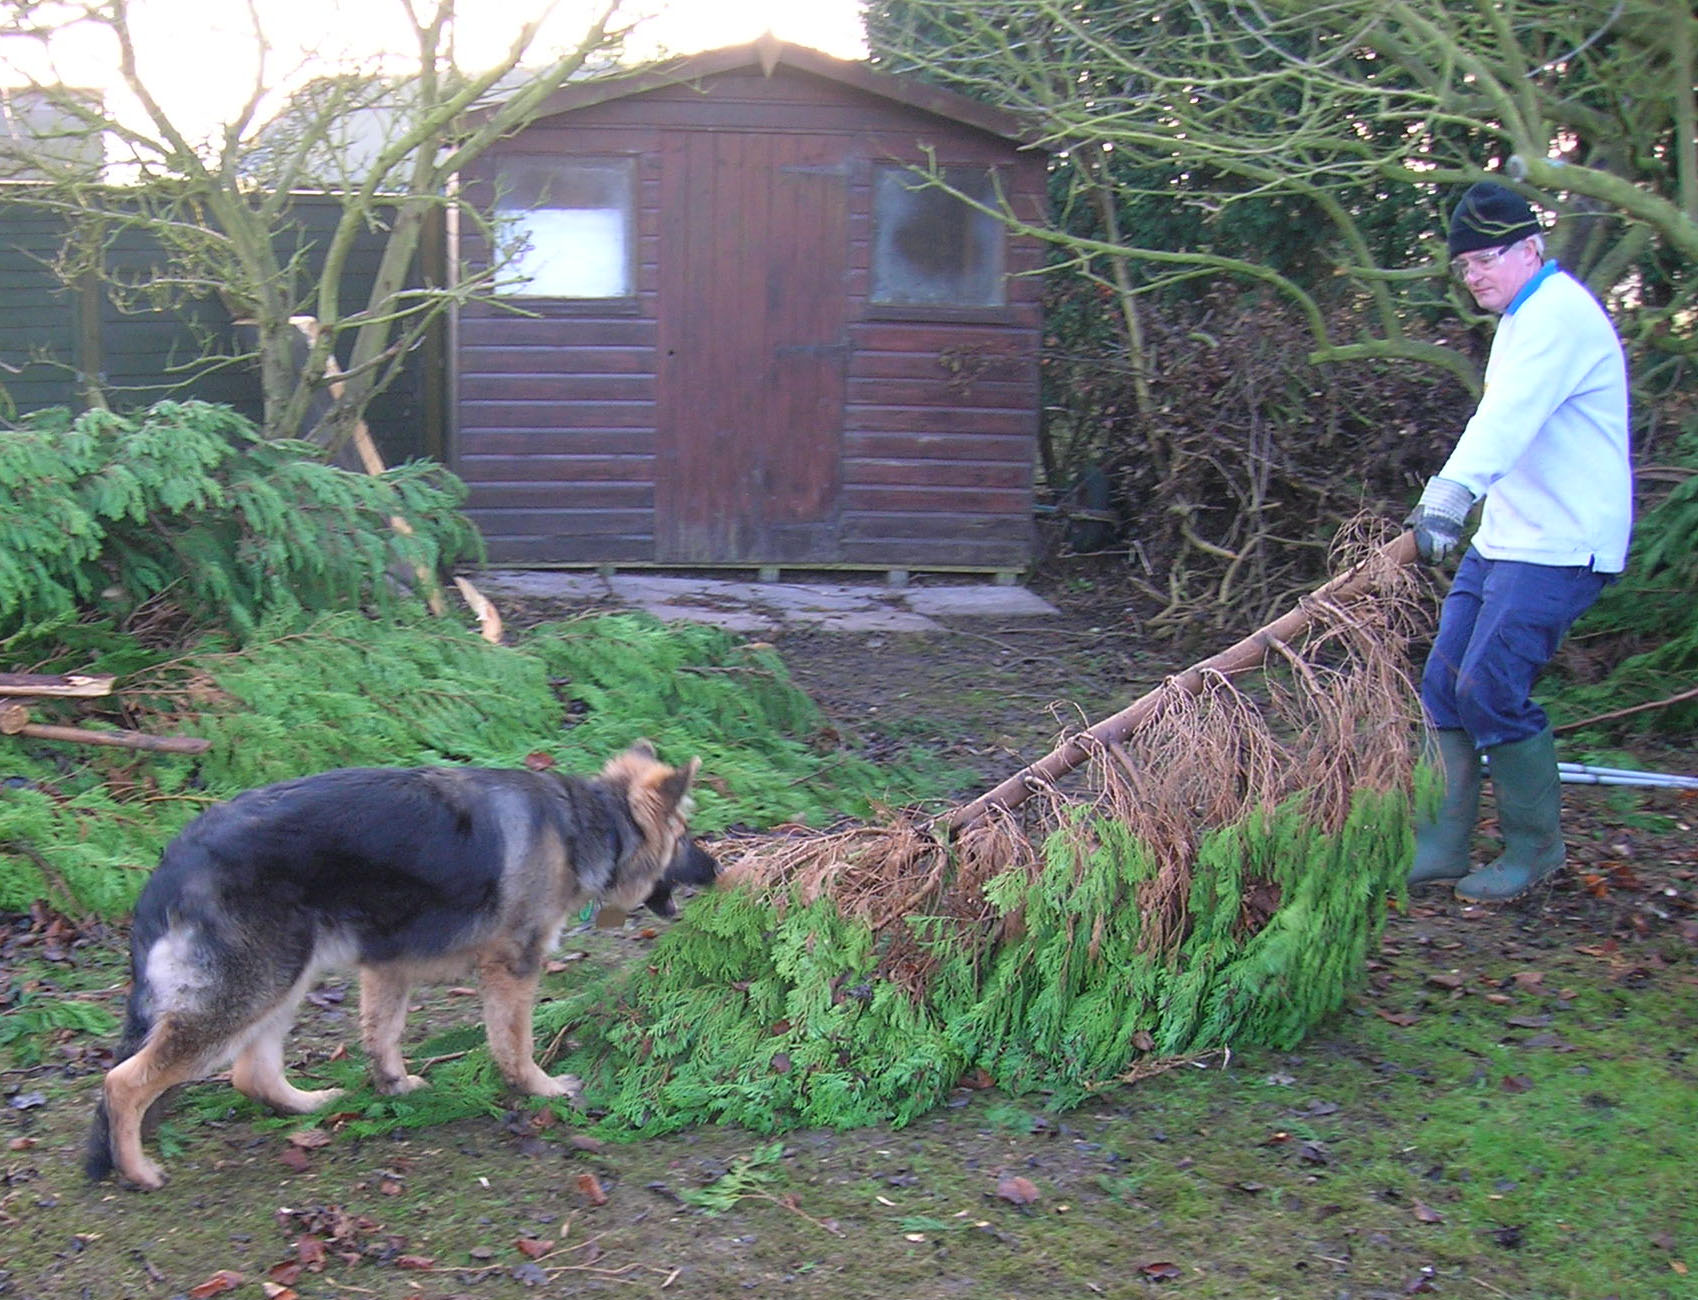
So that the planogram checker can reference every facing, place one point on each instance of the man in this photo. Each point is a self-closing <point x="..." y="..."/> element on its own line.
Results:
<point x="1547" y="450"/>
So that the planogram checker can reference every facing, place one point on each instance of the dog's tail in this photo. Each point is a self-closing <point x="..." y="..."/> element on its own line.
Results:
<point x="138" y="1023"/>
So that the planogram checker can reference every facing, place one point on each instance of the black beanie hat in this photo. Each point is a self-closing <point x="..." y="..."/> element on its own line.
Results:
<point x="1490" y="216"/>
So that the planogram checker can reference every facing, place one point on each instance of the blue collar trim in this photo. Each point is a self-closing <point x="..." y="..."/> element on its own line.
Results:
<point x="1544" y="273"/>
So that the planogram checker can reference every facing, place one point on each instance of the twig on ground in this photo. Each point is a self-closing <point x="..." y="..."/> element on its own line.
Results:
<point x="1681" y="698"/>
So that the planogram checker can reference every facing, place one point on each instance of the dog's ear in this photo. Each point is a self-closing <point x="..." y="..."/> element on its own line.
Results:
<point x="675" y="786"/>
<point x="642" y="747"/>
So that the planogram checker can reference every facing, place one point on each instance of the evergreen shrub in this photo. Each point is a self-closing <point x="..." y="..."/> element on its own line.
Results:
<point x="185" y="500"/>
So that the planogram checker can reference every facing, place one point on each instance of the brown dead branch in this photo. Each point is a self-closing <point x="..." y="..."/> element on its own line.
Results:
<point x="1242" y="657"/>
<point x="1663" y="703"/>
<point x="118" y="739"/>
<point x="15" y="716"/>
<point x="489" y="621"/>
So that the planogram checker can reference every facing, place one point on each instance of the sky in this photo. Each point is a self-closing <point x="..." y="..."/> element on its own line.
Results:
<point x="199" y="60"/>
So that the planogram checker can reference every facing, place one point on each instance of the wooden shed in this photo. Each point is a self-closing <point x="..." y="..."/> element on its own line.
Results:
<point x="736" y="329"/>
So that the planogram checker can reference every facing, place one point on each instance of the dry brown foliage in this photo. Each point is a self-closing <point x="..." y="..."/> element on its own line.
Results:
<point x="1332" y="714"/>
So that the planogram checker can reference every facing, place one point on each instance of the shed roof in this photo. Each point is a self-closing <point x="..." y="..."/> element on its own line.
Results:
<point x="768" y="53"/>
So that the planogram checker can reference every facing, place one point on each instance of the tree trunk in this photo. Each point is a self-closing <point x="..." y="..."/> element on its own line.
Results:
<point x="1240" y="658"/>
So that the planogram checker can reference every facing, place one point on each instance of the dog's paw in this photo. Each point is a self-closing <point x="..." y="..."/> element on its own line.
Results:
<point x="569" y="1086"/>
<point x="144" y="1175"/>
<point x="402" y="1086"/>
<point x="297" y="1101"/>
<point x="319" y="1098"/>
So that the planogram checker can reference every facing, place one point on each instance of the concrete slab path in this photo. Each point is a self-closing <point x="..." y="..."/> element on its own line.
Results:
<point x="763" y="608"/>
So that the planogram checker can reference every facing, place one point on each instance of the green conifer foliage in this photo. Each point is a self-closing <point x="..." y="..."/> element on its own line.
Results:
<point x="184" y="498"/>
<point x="352" y="689"/>
<point x="782" y="1015"/>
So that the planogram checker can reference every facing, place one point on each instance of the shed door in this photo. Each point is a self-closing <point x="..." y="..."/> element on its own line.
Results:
<point x="754" y="244"/>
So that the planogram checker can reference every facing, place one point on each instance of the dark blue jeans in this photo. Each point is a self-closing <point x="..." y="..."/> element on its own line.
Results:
<point x="1499" y="627"/>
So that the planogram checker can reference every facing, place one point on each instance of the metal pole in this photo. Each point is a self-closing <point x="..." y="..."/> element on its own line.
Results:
<point x="1578" y="774"/>
<point x="1582" y="774"/>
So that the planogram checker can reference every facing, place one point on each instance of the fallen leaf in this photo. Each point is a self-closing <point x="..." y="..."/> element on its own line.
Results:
<point x="223" y="1280"/>
<point x="389" y="1187"/>
<point x="415" y="1262"/>
<point x="1401" y="1018"/>
<point x="309" y="1138"/>
<point x="20" y="1144"/>
<point x="1445" y="980"/>
<point x="589" y="1187"/>
<point x="1162" y="1271"/>
<point x="294" y="1159"/>
<point x="310" y="1251"/>
<point x="978" y="1078"/>
<point x="1516" y="1083"/>
<point x="531" y="1248"/>
<point x="275" y="1292"/>
<point x="1017" y="1190"/>
<point x="1425" y="1213"/>
<point x="584" y="1142"/>
<point x="1313" y="1153"/>
<point x="1529" y="979"/>
<point x="285" y="1274"/>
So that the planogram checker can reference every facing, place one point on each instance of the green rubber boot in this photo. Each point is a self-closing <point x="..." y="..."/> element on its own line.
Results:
<point x="1529" y="799"/>
<point x="1441" y="846"/>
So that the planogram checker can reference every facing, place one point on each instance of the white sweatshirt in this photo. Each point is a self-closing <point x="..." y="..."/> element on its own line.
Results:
<point x="1548" y="445"/>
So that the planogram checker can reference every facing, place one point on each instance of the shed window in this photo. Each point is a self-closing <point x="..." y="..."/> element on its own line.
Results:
<point x="563" y="227"/>
<point x="931" y="249"/>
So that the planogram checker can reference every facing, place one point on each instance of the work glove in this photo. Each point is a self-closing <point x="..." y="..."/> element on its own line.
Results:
<point x="1437" y="518"/>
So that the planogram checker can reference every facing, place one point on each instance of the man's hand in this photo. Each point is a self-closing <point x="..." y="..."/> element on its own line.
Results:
<point x="1437" y="518"/>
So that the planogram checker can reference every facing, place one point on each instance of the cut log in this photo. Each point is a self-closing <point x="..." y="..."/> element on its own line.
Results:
<point x="65" y="685"/>
<point x="14" y="717"/>
<point x="120" y="739"/>
<point x="1242" y="657"/>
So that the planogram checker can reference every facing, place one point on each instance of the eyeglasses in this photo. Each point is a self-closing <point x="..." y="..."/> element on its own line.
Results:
<point x="1484" y="260"/>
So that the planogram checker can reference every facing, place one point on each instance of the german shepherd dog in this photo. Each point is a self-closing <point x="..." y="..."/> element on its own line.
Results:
<point x="408" y="874"/>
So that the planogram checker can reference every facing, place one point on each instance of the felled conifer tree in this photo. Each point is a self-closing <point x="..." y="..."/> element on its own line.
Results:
<point x="1214" y="878"/>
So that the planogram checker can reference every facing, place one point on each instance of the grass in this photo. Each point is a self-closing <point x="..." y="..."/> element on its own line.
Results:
<point x="1521" y="1127"/>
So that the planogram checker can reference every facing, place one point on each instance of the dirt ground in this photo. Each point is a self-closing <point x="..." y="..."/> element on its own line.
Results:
<point x="1250" y="1178"/>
